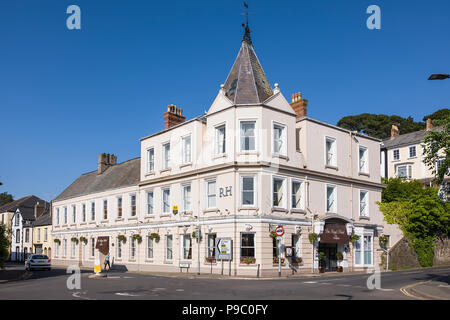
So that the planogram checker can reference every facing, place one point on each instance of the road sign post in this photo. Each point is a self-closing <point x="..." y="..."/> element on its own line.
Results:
<point x="279" y="231"/>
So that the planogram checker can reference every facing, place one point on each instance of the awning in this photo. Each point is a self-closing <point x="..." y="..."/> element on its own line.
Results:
<point x="334" y="233"/>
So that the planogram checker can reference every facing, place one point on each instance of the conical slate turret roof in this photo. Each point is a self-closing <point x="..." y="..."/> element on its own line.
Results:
<point x="247" y="83"/>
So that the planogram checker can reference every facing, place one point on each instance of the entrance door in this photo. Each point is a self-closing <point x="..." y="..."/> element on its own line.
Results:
<point x="330" y="250"/>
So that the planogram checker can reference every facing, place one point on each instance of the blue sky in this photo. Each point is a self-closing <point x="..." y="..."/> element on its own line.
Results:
<point x="67" y="95"/>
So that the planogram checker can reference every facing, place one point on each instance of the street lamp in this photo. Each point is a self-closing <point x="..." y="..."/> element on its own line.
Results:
<point x="441" y="76"/>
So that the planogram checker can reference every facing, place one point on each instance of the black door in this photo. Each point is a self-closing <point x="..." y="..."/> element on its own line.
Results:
<point x="330" y="250"/>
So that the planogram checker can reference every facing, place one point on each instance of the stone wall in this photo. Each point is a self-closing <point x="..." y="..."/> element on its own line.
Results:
<point x="403" y="256"/>
<point x="442" y="252"/>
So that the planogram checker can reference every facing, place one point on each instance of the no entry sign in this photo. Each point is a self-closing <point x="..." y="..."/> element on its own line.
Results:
<point x="279" y="231"/>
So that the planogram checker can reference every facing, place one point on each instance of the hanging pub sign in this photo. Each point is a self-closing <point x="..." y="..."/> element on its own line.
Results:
<point x="102" y="245"/>
<point x="334" y="233"/>
<point x="174" y="209"/>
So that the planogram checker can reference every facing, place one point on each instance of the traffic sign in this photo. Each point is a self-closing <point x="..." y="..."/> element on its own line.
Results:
<point x="279" y="231"/>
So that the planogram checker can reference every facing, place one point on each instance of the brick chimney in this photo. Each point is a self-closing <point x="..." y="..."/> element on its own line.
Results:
<point x="105" y="160"/>
<point x="38" y="209"/>
<point x="299" y="104"/>
<point x="173" y="116"/>
<point x="394" y="131"/>
<point x="429" y="124"/>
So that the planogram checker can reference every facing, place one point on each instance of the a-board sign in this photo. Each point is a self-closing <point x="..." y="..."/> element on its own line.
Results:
<point x="224" y="249"/>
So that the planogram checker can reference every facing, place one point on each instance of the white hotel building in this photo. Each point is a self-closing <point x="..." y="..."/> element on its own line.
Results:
<point x="252" y="162"/>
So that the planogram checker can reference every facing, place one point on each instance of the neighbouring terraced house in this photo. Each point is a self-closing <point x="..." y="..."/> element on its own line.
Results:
<point x="252" y="162"/>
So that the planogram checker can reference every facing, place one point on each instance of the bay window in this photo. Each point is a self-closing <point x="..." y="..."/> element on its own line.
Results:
<point x="248" y="191"/>
<point x="211" y="194"/>
<point x="279" y="139"/>
<point x="247" y="135"/>
<point x="404" y="171"/>
<point x="220" y="147"/>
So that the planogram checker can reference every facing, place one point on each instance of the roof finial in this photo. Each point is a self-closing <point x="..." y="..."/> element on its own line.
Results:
<point x="247" y="37"/>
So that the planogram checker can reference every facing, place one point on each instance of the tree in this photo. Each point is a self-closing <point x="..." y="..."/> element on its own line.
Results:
<point x="4" y="245"/>
<point x="5" y="198"/>
<point x="437" y="148"/>
<point x="419" y="213"/>
<point x="379" y="125"/>
<point x="438" y="115"/>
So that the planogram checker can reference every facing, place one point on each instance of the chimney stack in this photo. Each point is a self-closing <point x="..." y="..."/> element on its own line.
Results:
<point x="105" y="160"/>
<point x="394" y="131"/>
<point x="173" y="116"/>
<point x="299" y="104"/>
<point x="429" y="124"/>
<point x="38" y="210"/>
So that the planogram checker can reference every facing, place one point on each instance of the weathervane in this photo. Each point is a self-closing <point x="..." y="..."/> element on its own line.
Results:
<point x="246" y="27"/>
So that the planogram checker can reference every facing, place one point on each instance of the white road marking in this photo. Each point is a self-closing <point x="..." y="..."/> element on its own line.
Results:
<point x="444" y="286"/>
<point x="180" y="290"/>
<point x="310" y="282"/>
<point x="385" y="289"/>
<point x="158" y="289"/>
<point x="126" y="294"/>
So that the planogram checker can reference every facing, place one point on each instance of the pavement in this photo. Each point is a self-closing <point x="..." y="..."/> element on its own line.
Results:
<point x="13" y="272"/>
<point x="420" y="284"/>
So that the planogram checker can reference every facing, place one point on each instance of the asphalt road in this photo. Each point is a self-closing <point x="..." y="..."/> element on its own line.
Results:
<point x="119" y="285"/>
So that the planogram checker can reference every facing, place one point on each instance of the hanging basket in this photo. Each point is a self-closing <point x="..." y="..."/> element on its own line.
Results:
<point x="354" y="238"/>
<point x="137" y="237"/>
<point x="273" y="235"/>
<point x="155" y="236"/>
<point x="57" y="241"/>
<point x="84" y="240"/>
<point x="74" y="240"/>
<point x="122" y="238"/>
<point x="313" y="237"/>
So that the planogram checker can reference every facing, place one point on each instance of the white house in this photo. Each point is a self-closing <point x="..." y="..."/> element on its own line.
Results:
<point x="253" y="162"/>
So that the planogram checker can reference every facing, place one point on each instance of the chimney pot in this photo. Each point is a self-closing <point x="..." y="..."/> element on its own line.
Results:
<point x="173" y="116"/>
<point x="394" y="131"/>
<point x="299" y="104"/>
<point x="105" y="160"/>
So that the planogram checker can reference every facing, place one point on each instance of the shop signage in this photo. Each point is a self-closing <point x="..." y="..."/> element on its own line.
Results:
<point x="224" y="249"/>
<point x="334" y="233"/>
<point x="102" y="245"/>
<point x="225" y="192"/>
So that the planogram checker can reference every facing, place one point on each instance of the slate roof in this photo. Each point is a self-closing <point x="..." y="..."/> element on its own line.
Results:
<point x="120" y="175"/>
<point x="247" y="83"/>
<point x="406" y="139"/>
<point x="44" y="220"/>
<point x="25" y="205"/>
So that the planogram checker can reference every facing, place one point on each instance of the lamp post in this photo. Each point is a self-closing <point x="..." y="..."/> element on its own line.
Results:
<point x="440" y="76"/>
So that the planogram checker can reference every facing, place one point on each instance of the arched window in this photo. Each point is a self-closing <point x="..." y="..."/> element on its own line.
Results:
<point x="45" y="251"/>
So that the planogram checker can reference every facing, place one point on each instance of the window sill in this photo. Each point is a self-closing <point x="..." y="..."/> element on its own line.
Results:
<point x="148" y="174"/>
<point x="119" y="219"/>
<point x="164" y="215"/>
<point x="364" y="174"/>
<point x="150" y="216"/>
<point x="165" y="170"/>
<point x="327" y="166"/>
<point x="104" y="221"/>
<point x="302" y="211"/>
<point x="219" y="156"/>
<point x="248" y="153"/>
<point x="210" y="210"/>
<point x="132" y="218"/>
<point x="83" y="223"/>
<point x="187" y="213"/>
<point x="185" y="165"/>
<point x="168" y="262"/>
<point x="392" y="161"/>
<point x="248" y="208"/>
<point x="278" y="209"/>
<point x="280" y="156"/>
<point x="132" y="260"/>
<point x="149" y="260"/>
<point x="364" y="218"/>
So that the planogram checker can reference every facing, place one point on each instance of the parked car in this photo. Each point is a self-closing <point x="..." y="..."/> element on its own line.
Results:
<point x="38" y="261"/>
